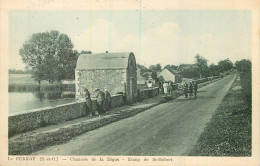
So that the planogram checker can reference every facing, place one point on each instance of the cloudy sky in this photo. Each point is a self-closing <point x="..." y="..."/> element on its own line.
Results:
<point x="155" y="36"/>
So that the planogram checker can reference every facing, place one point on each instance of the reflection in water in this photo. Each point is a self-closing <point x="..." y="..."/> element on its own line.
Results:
<point x="42" y="96"/>
<point x="23" y="101"/>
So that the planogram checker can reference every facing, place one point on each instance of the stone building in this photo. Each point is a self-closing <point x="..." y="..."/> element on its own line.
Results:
<point x="115" y="72"/>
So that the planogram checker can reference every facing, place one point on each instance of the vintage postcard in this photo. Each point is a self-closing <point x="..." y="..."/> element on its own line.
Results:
<point x="133" y="82"/>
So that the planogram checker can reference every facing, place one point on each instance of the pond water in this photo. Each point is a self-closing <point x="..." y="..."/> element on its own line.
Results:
<point x="23" y="101"/>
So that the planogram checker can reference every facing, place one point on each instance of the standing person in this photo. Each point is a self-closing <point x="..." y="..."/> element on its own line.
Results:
<point x="88" y="102"/>
<point x="107" y="103"/>
<point x="165" y="88"/>
<point x="100" y="96"/>
<point x="171" y="87"/>
<point x="162" y="90"/>
<point x="160" y="84"/>
<point x="150" y="84"/>
<point x="185" y="90"/>
<point x="191" y="89"/>
<point x="195" y="89"/>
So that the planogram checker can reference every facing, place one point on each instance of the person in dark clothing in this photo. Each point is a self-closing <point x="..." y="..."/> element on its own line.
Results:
<point x="88" y="102"/>
<point x="185" y="89"/>
<point x="160" y="85"/>
<point x="171" y="84"/>
<point x="100" y="96"/>
<point x="107" y="103"/>
<point x="195" y="89"/>
<point x="191" y="89"/>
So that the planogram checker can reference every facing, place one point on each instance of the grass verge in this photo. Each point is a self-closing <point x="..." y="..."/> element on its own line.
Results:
<point x="229" y="131"/>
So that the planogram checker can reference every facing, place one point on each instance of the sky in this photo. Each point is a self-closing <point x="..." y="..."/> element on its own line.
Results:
<point x="154" y="36"/>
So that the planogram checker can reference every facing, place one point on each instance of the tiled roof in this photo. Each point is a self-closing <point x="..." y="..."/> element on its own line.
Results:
<point x="102" y="61"/>
<point x="175" y="72"/>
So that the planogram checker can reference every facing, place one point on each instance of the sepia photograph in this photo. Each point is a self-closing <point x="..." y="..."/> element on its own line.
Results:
<point x="126" y="83"/>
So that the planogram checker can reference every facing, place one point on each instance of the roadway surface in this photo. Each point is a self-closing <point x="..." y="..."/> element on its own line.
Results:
<point x="169" y="129"/>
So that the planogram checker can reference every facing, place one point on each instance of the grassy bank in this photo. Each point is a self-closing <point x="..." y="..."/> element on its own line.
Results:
<point x="25" y="83"/>
<point x="33" y="88"/>
<point x="229" y="131"/>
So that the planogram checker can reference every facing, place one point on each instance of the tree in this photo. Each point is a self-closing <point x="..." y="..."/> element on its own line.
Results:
<point x="158" y="67"/>
<point x="243" y="65"/>
<point x="50" y="56"/>
<point x="189" y="71"/>
<point x="244" y="68"/>
<point x="214" y="70"/>
<point x="202" y="65"/>
<point x="152" y="67"/>
<point x="154" y="75"/>
<point x="173" y="67"/>
<point x="142" y="68"/>
<point x="14" y="71"/>
<point x="85" y="52"/>
<point x="225" y="65"/>
<point x="167" y="66"/>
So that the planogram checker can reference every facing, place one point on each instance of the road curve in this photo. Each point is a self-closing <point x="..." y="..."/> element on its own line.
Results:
<point x="169" y="129"/>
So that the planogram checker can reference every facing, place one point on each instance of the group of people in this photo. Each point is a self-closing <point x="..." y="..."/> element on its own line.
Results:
<point x="166" y="87"/>
<point x="190" y="89"/>
<point x="103" y="103"/>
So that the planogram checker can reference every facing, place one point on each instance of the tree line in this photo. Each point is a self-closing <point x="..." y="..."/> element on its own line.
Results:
<point x="50" y="56"/>
<point x="200" y="68"/>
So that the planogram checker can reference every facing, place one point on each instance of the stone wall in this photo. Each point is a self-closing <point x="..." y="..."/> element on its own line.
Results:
<point x="19" y="123"/>
<point x="111" y="79"/>
<point x="117" y="100"/>
<point x="147" y="93"/>
<point x="33" y="119"/>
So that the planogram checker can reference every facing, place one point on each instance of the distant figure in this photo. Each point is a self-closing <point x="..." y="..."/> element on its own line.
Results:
<point x="100" y="96"/>
<point x="107" y="104"/>
<point x="161" y="87"/>
<point x="170" y="87"/>
<point x="191" y="89"/>
<point x="150" y="84"/>
<point x="185" y="90"/>
<point x="159" y="84"/>
<point x="165" y="88"/>
<point x="88" y="102"/>
<point x="195" y="89"/>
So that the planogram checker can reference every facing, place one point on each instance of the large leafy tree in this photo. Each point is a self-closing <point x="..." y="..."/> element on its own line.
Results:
<point x="225" y="65"/>
<point x="214" y="70"/>
<point x="50" y="56"/>
<point x="189" y="71"/>
<point x="243" y="65"/>
<point x="156" y="67"/>
<point x="202" y="65"/>
<point x="244" y="68"/>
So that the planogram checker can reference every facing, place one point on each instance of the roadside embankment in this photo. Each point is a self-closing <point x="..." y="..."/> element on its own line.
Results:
<point x="230" y="129"/>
